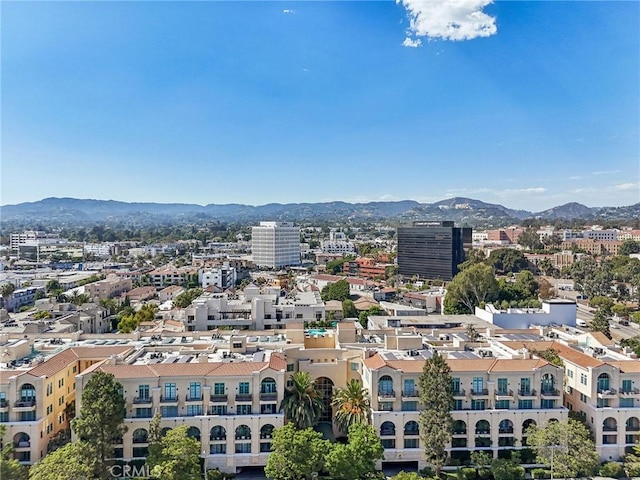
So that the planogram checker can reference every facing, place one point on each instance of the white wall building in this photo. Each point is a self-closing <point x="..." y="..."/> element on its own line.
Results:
<point x="556" y="312"/>
<point x="222" y="277"/>
<point x="275" y="244"/>
<point x="601" y="234"/>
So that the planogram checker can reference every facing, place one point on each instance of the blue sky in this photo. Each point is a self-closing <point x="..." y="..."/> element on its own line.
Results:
<point x="527" y="104"/>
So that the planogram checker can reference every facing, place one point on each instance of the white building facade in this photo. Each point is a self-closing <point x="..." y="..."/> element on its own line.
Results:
<point x="275" y="244"/>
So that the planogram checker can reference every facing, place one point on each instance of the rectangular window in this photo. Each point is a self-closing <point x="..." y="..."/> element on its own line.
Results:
<point x="477" y="404"/>
<point x="243" y="448"/>
<point x="525" y="386"/>
<point x="218" y="449"/>
<point x="27" y="416"/>
<point x="388" y="442"/>
<point x="603" y="403"/>
<point x="478" y="384"/>
<point x="545" y="403"/>
<point x="386" y="406"/>
<point x="458" y="405"/>
<point x="144" y="413"/>
<point x="455" y="384"/>
<point x="143" y="392"/>
<point x="626" y="403"/>
<point x="218" y="410"/>
<point x="169" y="391"/>
<point x="290" y="367"/>
<point x="583" y="398"/>
<point x="410" y="443"/>
<point x="502" y="386"/>
<point x="243" y="409"/>
<point x="169" y="411"/>
<point x="569" y="373"/>
<point x="525" y="404"/>
<point x="195" y="391"/>
<point x="630" y="439"/>
<point x="218" y="388"/>
<point x="626" y="385"/>
<point x="409" y="406"/>
<point x="193" y="410"/>
<point x="354" y="366"/>
<point x="409" y="386"/>
<point x="268" y="409"/>
<point x="243" y="388"/>
<point x="4" y="417"/>
<point x="583" y="379"/>
<point x="502" y="404"/>
<point x="265" y="447"/>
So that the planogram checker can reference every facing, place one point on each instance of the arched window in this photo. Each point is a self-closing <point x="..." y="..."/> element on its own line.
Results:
<point x="266" y="431"/>
<point x="164" y="431"/>
<point x="459" y="427"/>
<point x="243" y="433"/>
<point x="603" y="382"/>
<point x="610" y="425"/>
<point x="27" y="393"/>
<point x="140" y="436"/>
<point x="548" y="383"/>
<point x="525" y="426"/>
<point x="218" y="433"/>
<point x="325" y="386"/>
<point x="268" y="385"/>
<point x="632" y="424"/>
<point x="388" y="428"/>
<point x="385" y="386"/>
<point x="411" y="428"/>
<point x="194" y="432"/>
<point x="506" y="426"/>
<point x="483" y="427"/>
<point x="21" y="440"/>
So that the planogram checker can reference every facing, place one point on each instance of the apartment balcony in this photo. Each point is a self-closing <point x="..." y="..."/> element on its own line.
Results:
<point x="527" y="393"/>
<point x="193" y="398"/>
<point x="633" y="392"/>
<point x="22" y="446"/>
<point x="143" y="400"/>
<point x="610" y="393"/>
<point x="25" y="405"/>
<point x="505" y="431"/>
<point x="459" y="433"/>
<point x="483" y="432"/>
<point x="411" y="433"/>
<point x="244" y="397"/>
<point x="218" y="439"/>
<point x="504" y="394"/>
<point x="609" y="428"/>
<point x="550" y="392"/>
<point x="268" y="397"/>
<point x="482" y="392"/>
<point x="387" y="433"/>
<point x="460" y="393"/>
<point x="408" y="395"/>
<point x="218" y="398"/>
<point x="632" y="428"/>
<point x="172" y="400"/>
<point x="4" y="403"/>
<point x="386" y="396"/>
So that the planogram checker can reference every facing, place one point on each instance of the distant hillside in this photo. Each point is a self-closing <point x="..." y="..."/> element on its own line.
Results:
<point x="70" y="211"/>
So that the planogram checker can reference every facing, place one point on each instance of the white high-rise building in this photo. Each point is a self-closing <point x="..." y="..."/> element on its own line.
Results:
<point x="275" y="244"/>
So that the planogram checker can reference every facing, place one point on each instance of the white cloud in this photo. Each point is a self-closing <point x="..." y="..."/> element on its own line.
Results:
<point x="288" y="11"/>
<point x="412" y="42"/>
<point x="605" y="172"/>
<point x="627" y="186"/>
<point x="449" y="19"/>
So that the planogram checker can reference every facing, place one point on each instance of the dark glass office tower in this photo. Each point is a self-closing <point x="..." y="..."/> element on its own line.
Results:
<point x="432" y="250"/>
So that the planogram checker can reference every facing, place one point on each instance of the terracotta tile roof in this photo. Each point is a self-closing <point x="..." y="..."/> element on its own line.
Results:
<point x="327" y="278"/>
<point x="626" y="366"/>
<point x="471" y="365"/>
<point x="184" y="369"/>
<point x="602" y="339"/>
<point x="63" y="359"/>
<point x="519" y="365"/>
<point x="374" y="362"/>
<point x="566" y="353"/>
<point x="277" y="362"/>
<point x="5" y="375"/>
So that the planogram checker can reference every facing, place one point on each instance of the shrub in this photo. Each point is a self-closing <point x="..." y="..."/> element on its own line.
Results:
<point x="469" y="473"/>
<point x="612" y="469"/>
<point x="540" y="473"/>
<point x="216" y="474"/>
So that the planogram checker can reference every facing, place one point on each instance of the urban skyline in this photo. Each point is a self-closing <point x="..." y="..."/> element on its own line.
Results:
<point x="288" y="102"/>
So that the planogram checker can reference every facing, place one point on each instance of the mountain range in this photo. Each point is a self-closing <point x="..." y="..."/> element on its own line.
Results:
<point x="461" y="210"/>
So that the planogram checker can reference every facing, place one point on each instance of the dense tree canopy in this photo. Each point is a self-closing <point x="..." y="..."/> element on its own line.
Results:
<point x="179" y="456"/>
<point x="600" y="323"/>
<point x="352" y="405"/>
<point x="508" y="260"/>
<point x="302" y="403"/>
<point x="73" y="461"/>
<point x="296" y="454"/>
<point x="356" y="459"/>
<point x="335" y="291"/>
<point x="469" y="288"/>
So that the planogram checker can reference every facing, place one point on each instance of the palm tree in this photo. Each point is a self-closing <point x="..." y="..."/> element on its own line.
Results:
<point x="302" y="402"/>
<point x="6" y="290"/>
<point x="352" y="405"/>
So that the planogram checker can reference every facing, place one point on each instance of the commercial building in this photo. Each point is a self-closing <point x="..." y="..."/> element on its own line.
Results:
<point x="275" y="244"/>
<point x="432" y="250"/>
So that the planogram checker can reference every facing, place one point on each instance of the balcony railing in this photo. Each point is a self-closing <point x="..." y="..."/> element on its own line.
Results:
<point x="194" y="398"/>
<point x="411" y="432"/>
<point x="607" y="392"/>
<point x="244" y="397"/>
<point x="218" y="398"/>
<point x="169" y="399"/>
<point x="609" y="428"/>
<point x="386" y="394"/>
<point x="243" y="437"/>
<point x="4" y="403"/>
<point x="632" y="428"/>
<point x="459" y="432"/>
<point x="268" y="397"/>
<point x="526" y="392"/>
<point x="23" y="444"/>
<point x="505" y="430"/>
<point x="410" y="393"/>
<point x="25" y="403"/>
<point x="480" y="391"/>
<point x="387" y="432"/>
<point x="218" y="439"/>
<point x="550" y="392"/>
<point x="630" y="391"/>
<point x="139" y="400"/>
<point x="461" y="392"/>
<point x="483" y="432"/>
<point x="504" y="393"/>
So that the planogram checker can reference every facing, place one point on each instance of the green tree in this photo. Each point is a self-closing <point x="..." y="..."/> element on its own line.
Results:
<point x="6" y="290"/>
<point x="600" y="323"/>
<point x="506" y="469"/>
<point x="545" y="289"/>
<point x="9" y="467"/>
<point x="471" y="287"/>
<point x="633" y="343"/>
<point x="335" y="291"/>
<point x="632" y="462"/>
<point x="349" y="309"/>
<point x="436" y="395"/>
<point x="155" y="440"/>
<point x="603" y="303"/>
<point x="526" y="285"/>
<point x="356" y="459"/>
<point x="73" y="461"/>
<point x="179" y="457"/>
<point x="127" y="324"/>
<point x="628" y="247"/>
<point x="551" y="355"/>
<point x="101" y="417"/>
<point x="565" y="446"/>
<point x="620" y="310"/>
<point x="53" y="286"/>
<point x="296" y="454"/>
<point x="472" y="257"/>
<point x="302" y="403"/>
<point x="352" y="405"/>
<point x="402" y="475"/>
<point x="508" y="260"/>
<point x="185" y="298"/>
<point x="530" y="239"/>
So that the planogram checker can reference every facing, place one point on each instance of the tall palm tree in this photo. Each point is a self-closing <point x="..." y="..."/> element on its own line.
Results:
<point x="352" y="405"/>
<point x="6" y="290"/>
<point x="302" y="403"/>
